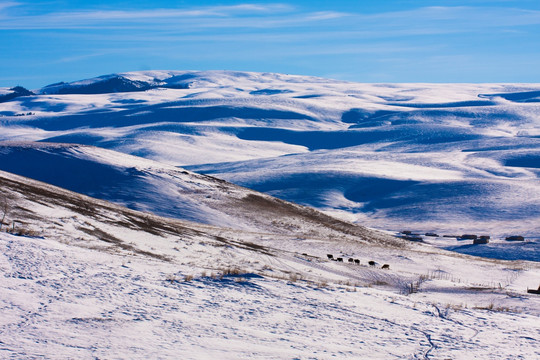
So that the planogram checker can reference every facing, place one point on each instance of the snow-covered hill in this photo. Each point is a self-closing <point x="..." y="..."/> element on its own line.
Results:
<point x="430" y="157"/>
<point x="84" y="278"/>
<point x="165" y="190"/>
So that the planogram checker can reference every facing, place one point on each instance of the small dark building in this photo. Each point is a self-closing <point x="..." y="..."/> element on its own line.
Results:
<point x="413" y="238"/>
<point x="481" y="240"/>
<point x="515" y="238"/>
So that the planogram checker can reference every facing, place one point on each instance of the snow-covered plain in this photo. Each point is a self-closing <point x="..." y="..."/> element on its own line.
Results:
<point x="449" y="158"/>
<point x="84" y="278"/>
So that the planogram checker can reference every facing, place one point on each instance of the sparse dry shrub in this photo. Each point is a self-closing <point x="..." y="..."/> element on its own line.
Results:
<point x="293" y="277"/>
<point x="455" y="307"/>
<point x="232" y="271"/>
<point x="4" y="209"/>
<point x="492" y="307"/>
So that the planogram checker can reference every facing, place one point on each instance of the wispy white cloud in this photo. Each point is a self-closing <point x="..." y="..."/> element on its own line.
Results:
<point x="216" y="11"/>
<point x="463" y="18"/>
<point x="241" y="15"/>
<point x="420" y="21"/>
<point x="8" y="4"/>
<point x="77" y="58"/>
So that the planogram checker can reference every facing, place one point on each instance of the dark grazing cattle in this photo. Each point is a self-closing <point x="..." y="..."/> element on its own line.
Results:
<point x="386" y="267"/>
<point x="330" y="256"/>
<point x="340" y="259"/>
<point x="515" y="238"/>
<point x="481" y="240"/>
<point x="351" y="260"/>
<point x="371" y="263"/>
<point x="357" y="262"/>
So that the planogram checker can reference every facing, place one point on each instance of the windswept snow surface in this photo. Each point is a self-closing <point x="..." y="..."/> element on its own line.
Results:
<point x="84" y="278"/>
<point x="452" y="158"/>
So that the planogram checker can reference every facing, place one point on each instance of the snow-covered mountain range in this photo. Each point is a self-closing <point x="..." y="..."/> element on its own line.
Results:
<point x="430" y="157"/>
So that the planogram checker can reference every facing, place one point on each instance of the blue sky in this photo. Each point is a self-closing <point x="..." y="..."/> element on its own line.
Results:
<point x="46" y="41"/>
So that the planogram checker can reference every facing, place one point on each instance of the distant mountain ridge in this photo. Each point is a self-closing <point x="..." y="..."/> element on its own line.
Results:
<point x="14" y="92"/>
<point x="114" y="83"/>
<point x="147" y="80"/>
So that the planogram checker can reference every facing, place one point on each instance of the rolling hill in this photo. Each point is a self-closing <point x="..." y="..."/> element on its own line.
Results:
<point x="430" y="157"/>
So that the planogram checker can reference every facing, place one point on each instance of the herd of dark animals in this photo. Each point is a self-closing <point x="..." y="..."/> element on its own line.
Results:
<point x="477" y="239"/>
<point x="482" y="239"/>
<point x="357" y="261"/>
<point x="372" y="263"/>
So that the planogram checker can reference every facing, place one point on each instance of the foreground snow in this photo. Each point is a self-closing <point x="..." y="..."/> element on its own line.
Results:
<point x="99" y="280"/>
<point x="66" y="302"/>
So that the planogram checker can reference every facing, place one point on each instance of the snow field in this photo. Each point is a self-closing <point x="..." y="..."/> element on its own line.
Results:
<point x="105" y="281"/>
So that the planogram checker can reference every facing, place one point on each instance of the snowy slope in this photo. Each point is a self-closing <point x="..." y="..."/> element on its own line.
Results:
<point x="433" y="157"/>
<point x="165" y="190"/>
<point x="91" y="279"/>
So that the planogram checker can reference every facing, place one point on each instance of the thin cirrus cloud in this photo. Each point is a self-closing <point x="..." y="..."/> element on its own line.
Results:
<point x="96" y="18"/>
<point x="272" y="16"/>
<point x="8" y="4"/>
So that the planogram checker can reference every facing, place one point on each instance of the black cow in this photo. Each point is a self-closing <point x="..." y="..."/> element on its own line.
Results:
<point x="515" y="238"/>
<point x="386" y="267"/>
<point x="340" y="259"/>
<point x="371" y="263"/>
<point x="357" y="262"/>
<point x="351" y="260"/>
<point x="330" y="256"/>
